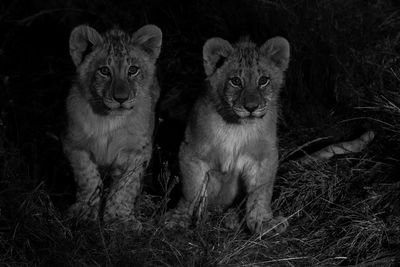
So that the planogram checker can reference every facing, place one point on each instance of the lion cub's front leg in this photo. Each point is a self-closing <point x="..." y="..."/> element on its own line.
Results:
<point x="260" y="183"/>
<point x="89" y="182"/>
<point x="194" y="173"/>
<point x="125" y="188"/>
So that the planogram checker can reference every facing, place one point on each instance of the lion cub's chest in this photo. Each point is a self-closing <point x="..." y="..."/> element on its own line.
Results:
<point x="110" y="137"/>
<point x="102" y="150"/>
<point x="236" y="147"/>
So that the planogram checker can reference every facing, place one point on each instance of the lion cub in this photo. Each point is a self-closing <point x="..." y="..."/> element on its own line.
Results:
<point x="111" y="118"/>
<point x="230" y="142"/>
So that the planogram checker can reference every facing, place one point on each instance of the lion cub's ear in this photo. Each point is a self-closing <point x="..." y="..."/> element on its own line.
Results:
<point x="278" y="50"/>
<point x="82" y="38"/>
<point x="214" y="50"/>
<point x="148" y="38"/>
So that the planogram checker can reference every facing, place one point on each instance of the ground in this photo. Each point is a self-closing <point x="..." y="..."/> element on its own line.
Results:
<point x="343" y="79"/>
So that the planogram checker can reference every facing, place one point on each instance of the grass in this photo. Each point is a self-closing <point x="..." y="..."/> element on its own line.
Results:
<point x="344" y="78"/>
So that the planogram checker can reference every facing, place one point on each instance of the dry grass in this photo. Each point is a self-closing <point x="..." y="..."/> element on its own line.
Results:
<point x="335" y="219"/>
<point x="344" y="78"/>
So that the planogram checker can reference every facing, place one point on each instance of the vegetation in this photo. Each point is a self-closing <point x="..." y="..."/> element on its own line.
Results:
<point x="344" y="78"/>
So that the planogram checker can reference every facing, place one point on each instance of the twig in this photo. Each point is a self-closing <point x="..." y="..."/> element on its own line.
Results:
<point x="300" y="148"/>
<point x="28" y="20"/>
<point x="353" y="146"/>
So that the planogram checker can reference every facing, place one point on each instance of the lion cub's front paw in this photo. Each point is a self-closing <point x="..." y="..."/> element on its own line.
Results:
<point x="264" y="226"/>
<point x="231" y="220"/>
<point x="174" y="219"/>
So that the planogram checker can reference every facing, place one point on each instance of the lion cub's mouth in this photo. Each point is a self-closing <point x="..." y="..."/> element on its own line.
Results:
<point x="113" y="105"/>
<point x="245" y="114"/>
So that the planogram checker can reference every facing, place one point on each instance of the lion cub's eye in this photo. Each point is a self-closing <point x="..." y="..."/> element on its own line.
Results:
<point x="133" y="70"/>
<point x="263" y="81"/>
<point x="105" y="71"/>
<point x="235" y="81"/>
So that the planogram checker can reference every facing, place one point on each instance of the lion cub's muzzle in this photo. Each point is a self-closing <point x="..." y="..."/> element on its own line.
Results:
<point x="120" y="101"/>
<point x="250" y="106"/>
<point x="251" y="113"/>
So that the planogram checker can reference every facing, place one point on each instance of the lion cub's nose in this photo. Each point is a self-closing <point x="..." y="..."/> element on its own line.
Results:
<point x="120" y="99"/>
<point x="251" y="106"/>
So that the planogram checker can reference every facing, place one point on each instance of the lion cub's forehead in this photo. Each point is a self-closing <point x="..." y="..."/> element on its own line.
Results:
<point x="246" y="54"/>
<point x="116" y="43"/>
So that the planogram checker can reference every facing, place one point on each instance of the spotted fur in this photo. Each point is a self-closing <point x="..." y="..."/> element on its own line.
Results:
<point x="111" y="118"/>
<point x="230" y="141"/>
